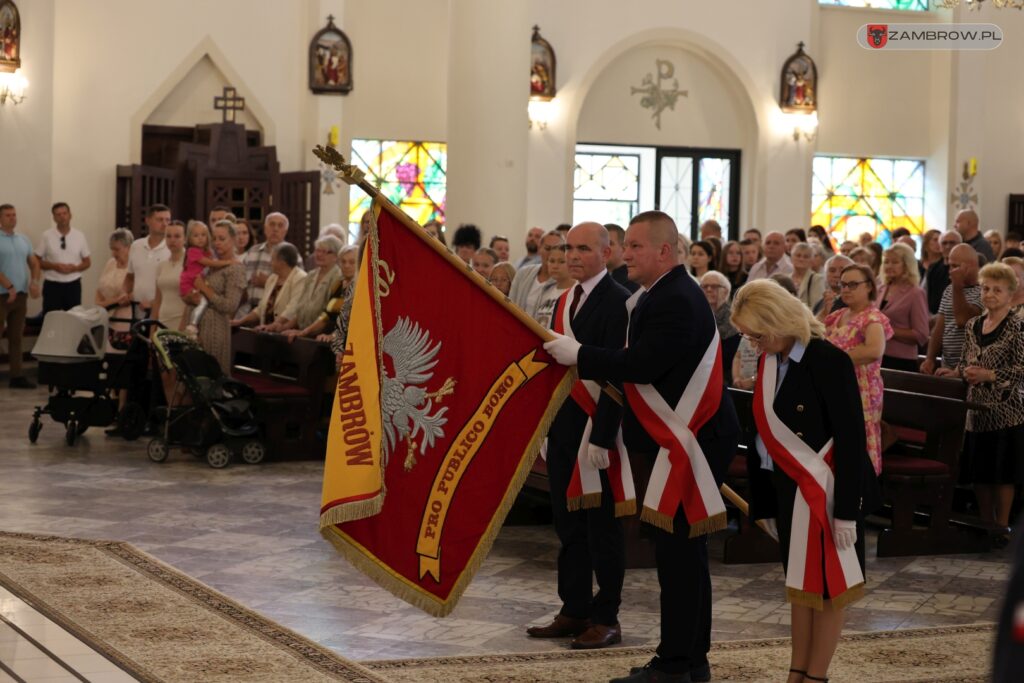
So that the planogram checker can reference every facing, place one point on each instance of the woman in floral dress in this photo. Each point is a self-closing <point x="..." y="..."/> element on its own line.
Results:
<point x="861" y="330"/>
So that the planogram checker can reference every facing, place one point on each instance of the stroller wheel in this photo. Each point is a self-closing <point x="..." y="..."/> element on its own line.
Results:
<point x="253" y="452"/>
<point x="71" y="433"/>
<point x="218" y="456"/>
<point x="34" y="429"/>
<point x="157" y="450"/>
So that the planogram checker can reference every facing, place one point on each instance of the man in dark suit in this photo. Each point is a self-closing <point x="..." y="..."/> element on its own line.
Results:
<point x="670" y="328"/>
<point x="616" y="264"/>
<point x="591" y="539"/>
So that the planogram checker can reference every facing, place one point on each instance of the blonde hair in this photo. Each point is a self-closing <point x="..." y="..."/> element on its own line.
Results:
<point x="765" y="308"/>
<point x="190" y="230"/>
<point x="906" y="255"/>
<point x="999" y="272"/>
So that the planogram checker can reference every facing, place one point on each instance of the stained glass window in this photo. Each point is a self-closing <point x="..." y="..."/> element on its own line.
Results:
<point x="909" y="5"/>
<point x="606" y="187"/>
<point x="850" y="196"/>
<point x="713" y="190"/>
<point x="410" y="174"/>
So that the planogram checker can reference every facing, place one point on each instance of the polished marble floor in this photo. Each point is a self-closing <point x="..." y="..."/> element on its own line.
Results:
<point x="251" y="533"/>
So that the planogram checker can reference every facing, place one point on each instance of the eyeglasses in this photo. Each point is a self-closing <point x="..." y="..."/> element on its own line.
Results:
<point x="63" y="242"/>
<point x="852" y="284"/>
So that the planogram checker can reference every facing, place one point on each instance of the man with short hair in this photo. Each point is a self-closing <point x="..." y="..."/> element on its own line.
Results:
<point x="616" y="266"/>
<point x="831" y="301"/>
<point x="531" y="282"/>
<point x="258" y="261"/>
<point x="19" y="279"/>
<point x="591" y="538"/>
<point x="143" y="258"/>
<point x="533" y="237"/>
<point x="754" y="235"/>
<point x="775" y="259"/>
<point x="500" y="246"/>
<point x="966" y="224"/>
<point x="751" y="252"/>
<point x="710" y="228"/>
<point x="1013" y="240"/>
<point x="960" y="302"/>
<point x="665" y="369"/>
<point x="936" y="279"/>
<point x="217" y="213"/>
<point x="63" y="255"/>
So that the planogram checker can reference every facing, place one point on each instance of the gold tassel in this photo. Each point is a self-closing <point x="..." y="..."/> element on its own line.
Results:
<point x="352" y="511"/>
<point x="847" y="597"/>
<point x="624" y="508"/>
<point x="804" y="598"/>
<point x="655" y="518"/>
<point x="710" y="525"/>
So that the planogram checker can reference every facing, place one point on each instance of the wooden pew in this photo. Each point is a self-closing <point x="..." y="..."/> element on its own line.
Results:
<point x="294" y="384"/>
<point x="920" y="472"/>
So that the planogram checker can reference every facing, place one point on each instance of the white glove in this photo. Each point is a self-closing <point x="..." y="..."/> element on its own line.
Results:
<point x="769" y="527"/>
<point x="598" y="457"/>
<point x="563" y="349"/>
<point x="844" y="531"/>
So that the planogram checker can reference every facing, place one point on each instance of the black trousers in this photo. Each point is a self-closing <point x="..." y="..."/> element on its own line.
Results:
<point x="592" y="545"/>
<point x="61" y="296"/>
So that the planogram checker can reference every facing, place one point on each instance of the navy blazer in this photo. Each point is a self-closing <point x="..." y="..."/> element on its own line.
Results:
<point x="600" y="321"/>
<point x="669" y="331"/>
<point x="819" y="400"/>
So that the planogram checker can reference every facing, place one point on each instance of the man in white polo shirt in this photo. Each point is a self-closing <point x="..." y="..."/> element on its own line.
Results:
<point x="64" y="255"/>
<point x="144" y="256"/>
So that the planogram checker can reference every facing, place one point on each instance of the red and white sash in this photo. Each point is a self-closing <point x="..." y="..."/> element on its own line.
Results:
<point x="681" y="474"/>
<point x="811" y="544"/>
<point x="585" y="488"/>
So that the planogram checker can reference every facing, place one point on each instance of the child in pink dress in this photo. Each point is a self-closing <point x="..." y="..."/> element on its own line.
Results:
<point x="198" y="258"/>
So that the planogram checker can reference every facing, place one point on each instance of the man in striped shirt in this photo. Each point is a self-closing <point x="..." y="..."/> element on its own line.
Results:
<point x="961" y="301"/>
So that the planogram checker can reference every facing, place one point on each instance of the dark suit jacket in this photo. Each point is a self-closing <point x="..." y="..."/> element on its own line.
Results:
<point x="600" y="321"/>
<point x="669" y="331"/>
<point x="621" y="275"/>
<point x="819" y="400"/>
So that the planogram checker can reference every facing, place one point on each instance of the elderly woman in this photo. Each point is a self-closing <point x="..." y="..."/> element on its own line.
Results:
<point x="992" y="364"/>
<point x="501" y="277"/>
<point x="339" y="306"/>
<point x="282" y="286"/>
<point x="315" y="290"/>
<point x="168" y="306"/>
<point x="861" y="330"/>
<point x="110" y="288"/>
<point x="810" y="286"/>
<point x="808" y="468"/>
<point x="717" y="290"/>
<point x="223" y="289"/>
<point x="905" y="305"/>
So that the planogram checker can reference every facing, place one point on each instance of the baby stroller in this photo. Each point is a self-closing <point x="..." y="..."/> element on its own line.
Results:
<point x="211" y="414"/>
<point x="84" y="377"/>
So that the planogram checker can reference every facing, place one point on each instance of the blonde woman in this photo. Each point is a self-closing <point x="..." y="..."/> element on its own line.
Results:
<point x="995" y="240"/>
<point x="904" y="303"/>
<point x="808" y="411"/>
<point x="810" y="285"/>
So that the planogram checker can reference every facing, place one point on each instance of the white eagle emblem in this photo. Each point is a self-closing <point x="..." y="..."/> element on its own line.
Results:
<point x="407" y="405"/>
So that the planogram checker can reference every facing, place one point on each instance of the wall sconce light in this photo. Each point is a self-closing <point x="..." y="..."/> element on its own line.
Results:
<point x="540" y="112"/>
<point x="12" y="87"/>
<point x="805" y="126"/>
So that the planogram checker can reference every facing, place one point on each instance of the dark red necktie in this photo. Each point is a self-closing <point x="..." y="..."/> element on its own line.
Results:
<point x="577" y="297"/>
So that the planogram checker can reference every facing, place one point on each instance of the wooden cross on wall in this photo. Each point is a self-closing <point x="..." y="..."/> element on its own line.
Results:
<point x="228" y="104"/>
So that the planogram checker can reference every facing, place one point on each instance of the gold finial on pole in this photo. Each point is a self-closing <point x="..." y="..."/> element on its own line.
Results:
<point x="350" y="173"/>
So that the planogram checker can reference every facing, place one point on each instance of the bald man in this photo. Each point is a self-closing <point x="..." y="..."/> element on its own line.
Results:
<point x="960" y="302"/>
<point x="592" y="544"/>
<point x="966" y="224"/>
<point x="671" y="332"/>
<point x="775" y="261"/>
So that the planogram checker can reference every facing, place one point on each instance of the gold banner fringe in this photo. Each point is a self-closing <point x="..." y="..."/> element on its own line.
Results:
<point x="339" y="514"/>
<point x="403" y="587"/>
<point x="848" y="597"/>
<point x="655" y="518"/>
<point x="815" y="601"/>
<point x="625" y="508"/>
<point x="584" y="502"/>
<point x="798" y="597"/>
<point x="710" y="525"/>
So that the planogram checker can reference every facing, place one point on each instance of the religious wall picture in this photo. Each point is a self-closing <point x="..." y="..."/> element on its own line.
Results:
<point x="542" y="68"/>
<point x="330" y="61"/>
<point x="799" y="88"/>
<point x="10" y="37"/>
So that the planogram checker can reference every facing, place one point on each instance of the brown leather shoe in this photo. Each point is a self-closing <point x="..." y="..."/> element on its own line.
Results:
<point x="598" y="636"/>
<point x="561" y="627"/>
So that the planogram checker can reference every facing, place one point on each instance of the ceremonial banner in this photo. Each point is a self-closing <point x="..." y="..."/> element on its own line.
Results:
<point x="444" y="395"/>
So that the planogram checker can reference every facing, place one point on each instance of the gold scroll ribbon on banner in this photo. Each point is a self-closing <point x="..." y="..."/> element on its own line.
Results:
<point x="459" y="456"/>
